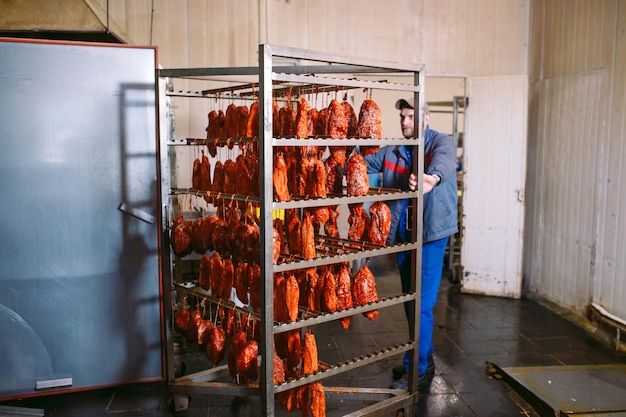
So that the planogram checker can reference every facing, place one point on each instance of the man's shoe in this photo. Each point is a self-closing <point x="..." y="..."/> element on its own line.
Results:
<point x="401" y="383"/>
<point x="423" y="382"/>
<point x="398" y="371"/>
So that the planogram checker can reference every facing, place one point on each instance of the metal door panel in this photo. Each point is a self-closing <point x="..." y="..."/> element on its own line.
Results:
<point x="493" y="186"/>
<point x="77" y="147"/>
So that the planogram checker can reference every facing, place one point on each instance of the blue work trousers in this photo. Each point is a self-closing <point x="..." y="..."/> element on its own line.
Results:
<point x="432" y="268"/>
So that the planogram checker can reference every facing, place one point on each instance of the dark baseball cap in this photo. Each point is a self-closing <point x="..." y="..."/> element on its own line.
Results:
<point x="410" y="103"/>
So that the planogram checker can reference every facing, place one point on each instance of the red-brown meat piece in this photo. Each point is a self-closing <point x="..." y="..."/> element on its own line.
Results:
<point x="292" y="295"/>
<point x="334" y="176"/>
<point x="241" y="282"/>
<point x="218" y="177"/>
<point x="364" y="290"/>
<point x="380" y="224"/>
<point x="215" y="273"/>
<point x="228" y="279"/>
<point x="359" y="223"/>
<point x="356" y="176"/>
<point x="182" y="236"/>
<point x="318" y="400"/>
<point x="216" y="347"/>
<point x="310" y="362"/>
<point x="254" y="281"/>
<point x="294" y="234"/>
<point x="344" y="293"/>
<point x="280" y="178"/>
<point x="330" y="227"/>
<point x="302" y="119"/>
<point x="308" y="238"/>
<point x="243" y="183"/>
<point x="204" y="276"/>
<point x="329" y="291"/>
<point x="201" y="231"/>
<point x="252" y="127"/>
<point x="370" y="124"/>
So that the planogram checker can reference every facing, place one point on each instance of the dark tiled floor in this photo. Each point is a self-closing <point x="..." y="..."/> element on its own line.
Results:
<point x="470" y="330"/>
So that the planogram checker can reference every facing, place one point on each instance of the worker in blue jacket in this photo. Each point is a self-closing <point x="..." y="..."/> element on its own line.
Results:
<point x="439" y="222"/>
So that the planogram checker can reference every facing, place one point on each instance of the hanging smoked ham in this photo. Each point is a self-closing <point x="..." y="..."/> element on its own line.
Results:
<point x="364" y="290"/>
<point x="276" y="244"/>
<point x="218" y="177"/>
<point x="287" y="121"/>
<point x="314" y="289"/>
<point x="228" y="279"/>
<point x="334" y="176"/>
<point x="252" y="127"/>
<point x="220" y="237"/>
<point x="344" y="292"/>
<point x="310" y="362"/>
<point x="201" y="231"/>
<point x="380" y="224"/>
<point x="216" y="345"/>
<point x="308" y="237"/>
<point x="231" y="122"/>
<point x="230" y="176"/>
<point x="319" y="217"/>
<point x="280" y="178"/>
<point x="243" y="114"/>
<point x="318" y="400"/>
<point x="337" y="129"/>
<point x="211" y="132"/>
<point x="243" y="180"/>
<point x="370" y="124"/>
<point x="302" y="119"/>
<point x="359" y="222"/>
<point x="241" y="282"/>
<point x="329" y="291"/>
<point x="181" y="240"/>
<point x="279" y="369"/>
<point x="294" y="233"/>
<point x="330" y="227"/>
<point x="204" y="275"/>
<point x="356" y="176"/>
<point x="214" y="273"/>
<point x="204" y="333"/>
<point x="321" y="125"/>
<point x="292" y="294"/>
<point x="254" y="281"/>
<point x="280" y="298"/>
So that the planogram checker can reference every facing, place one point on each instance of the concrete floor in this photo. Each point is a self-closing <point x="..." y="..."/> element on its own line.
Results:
<point x="470" y="331"/>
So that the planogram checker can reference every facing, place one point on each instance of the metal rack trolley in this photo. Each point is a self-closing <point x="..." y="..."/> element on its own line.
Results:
<point x="315" y="71"/>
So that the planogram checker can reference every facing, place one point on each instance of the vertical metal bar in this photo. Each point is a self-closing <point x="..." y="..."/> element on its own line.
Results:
<point x="163" y="171"/>
<point x="455" y="120"/>
<point x="266" y="380"/>
<point x="416" y="268"/>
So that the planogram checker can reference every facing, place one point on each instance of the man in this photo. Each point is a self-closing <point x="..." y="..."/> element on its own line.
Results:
<point x="439" y="222"/>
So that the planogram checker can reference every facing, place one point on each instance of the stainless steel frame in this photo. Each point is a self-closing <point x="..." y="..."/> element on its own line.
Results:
<point x="315" y="69"/>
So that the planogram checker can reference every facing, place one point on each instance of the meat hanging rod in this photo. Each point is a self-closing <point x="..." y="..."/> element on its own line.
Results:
<point x="251" y="90"/>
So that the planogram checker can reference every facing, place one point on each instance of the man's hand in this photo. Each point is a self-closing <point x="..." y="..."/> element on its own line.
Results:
<point x="430" y="181"/>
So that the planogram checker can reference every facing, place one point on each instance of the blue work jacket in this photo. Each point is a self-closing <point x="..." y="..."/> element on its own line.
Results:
<point x="440" y="204"/>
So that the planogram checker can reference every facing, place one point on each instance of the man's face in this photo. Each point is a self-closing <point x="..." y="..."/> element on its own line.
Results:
<point x="406" y="122"/>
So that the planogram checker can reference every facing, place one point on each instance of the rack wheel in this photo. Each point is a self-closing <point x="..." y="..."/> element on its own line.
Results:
<point x="178" y="404"/>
